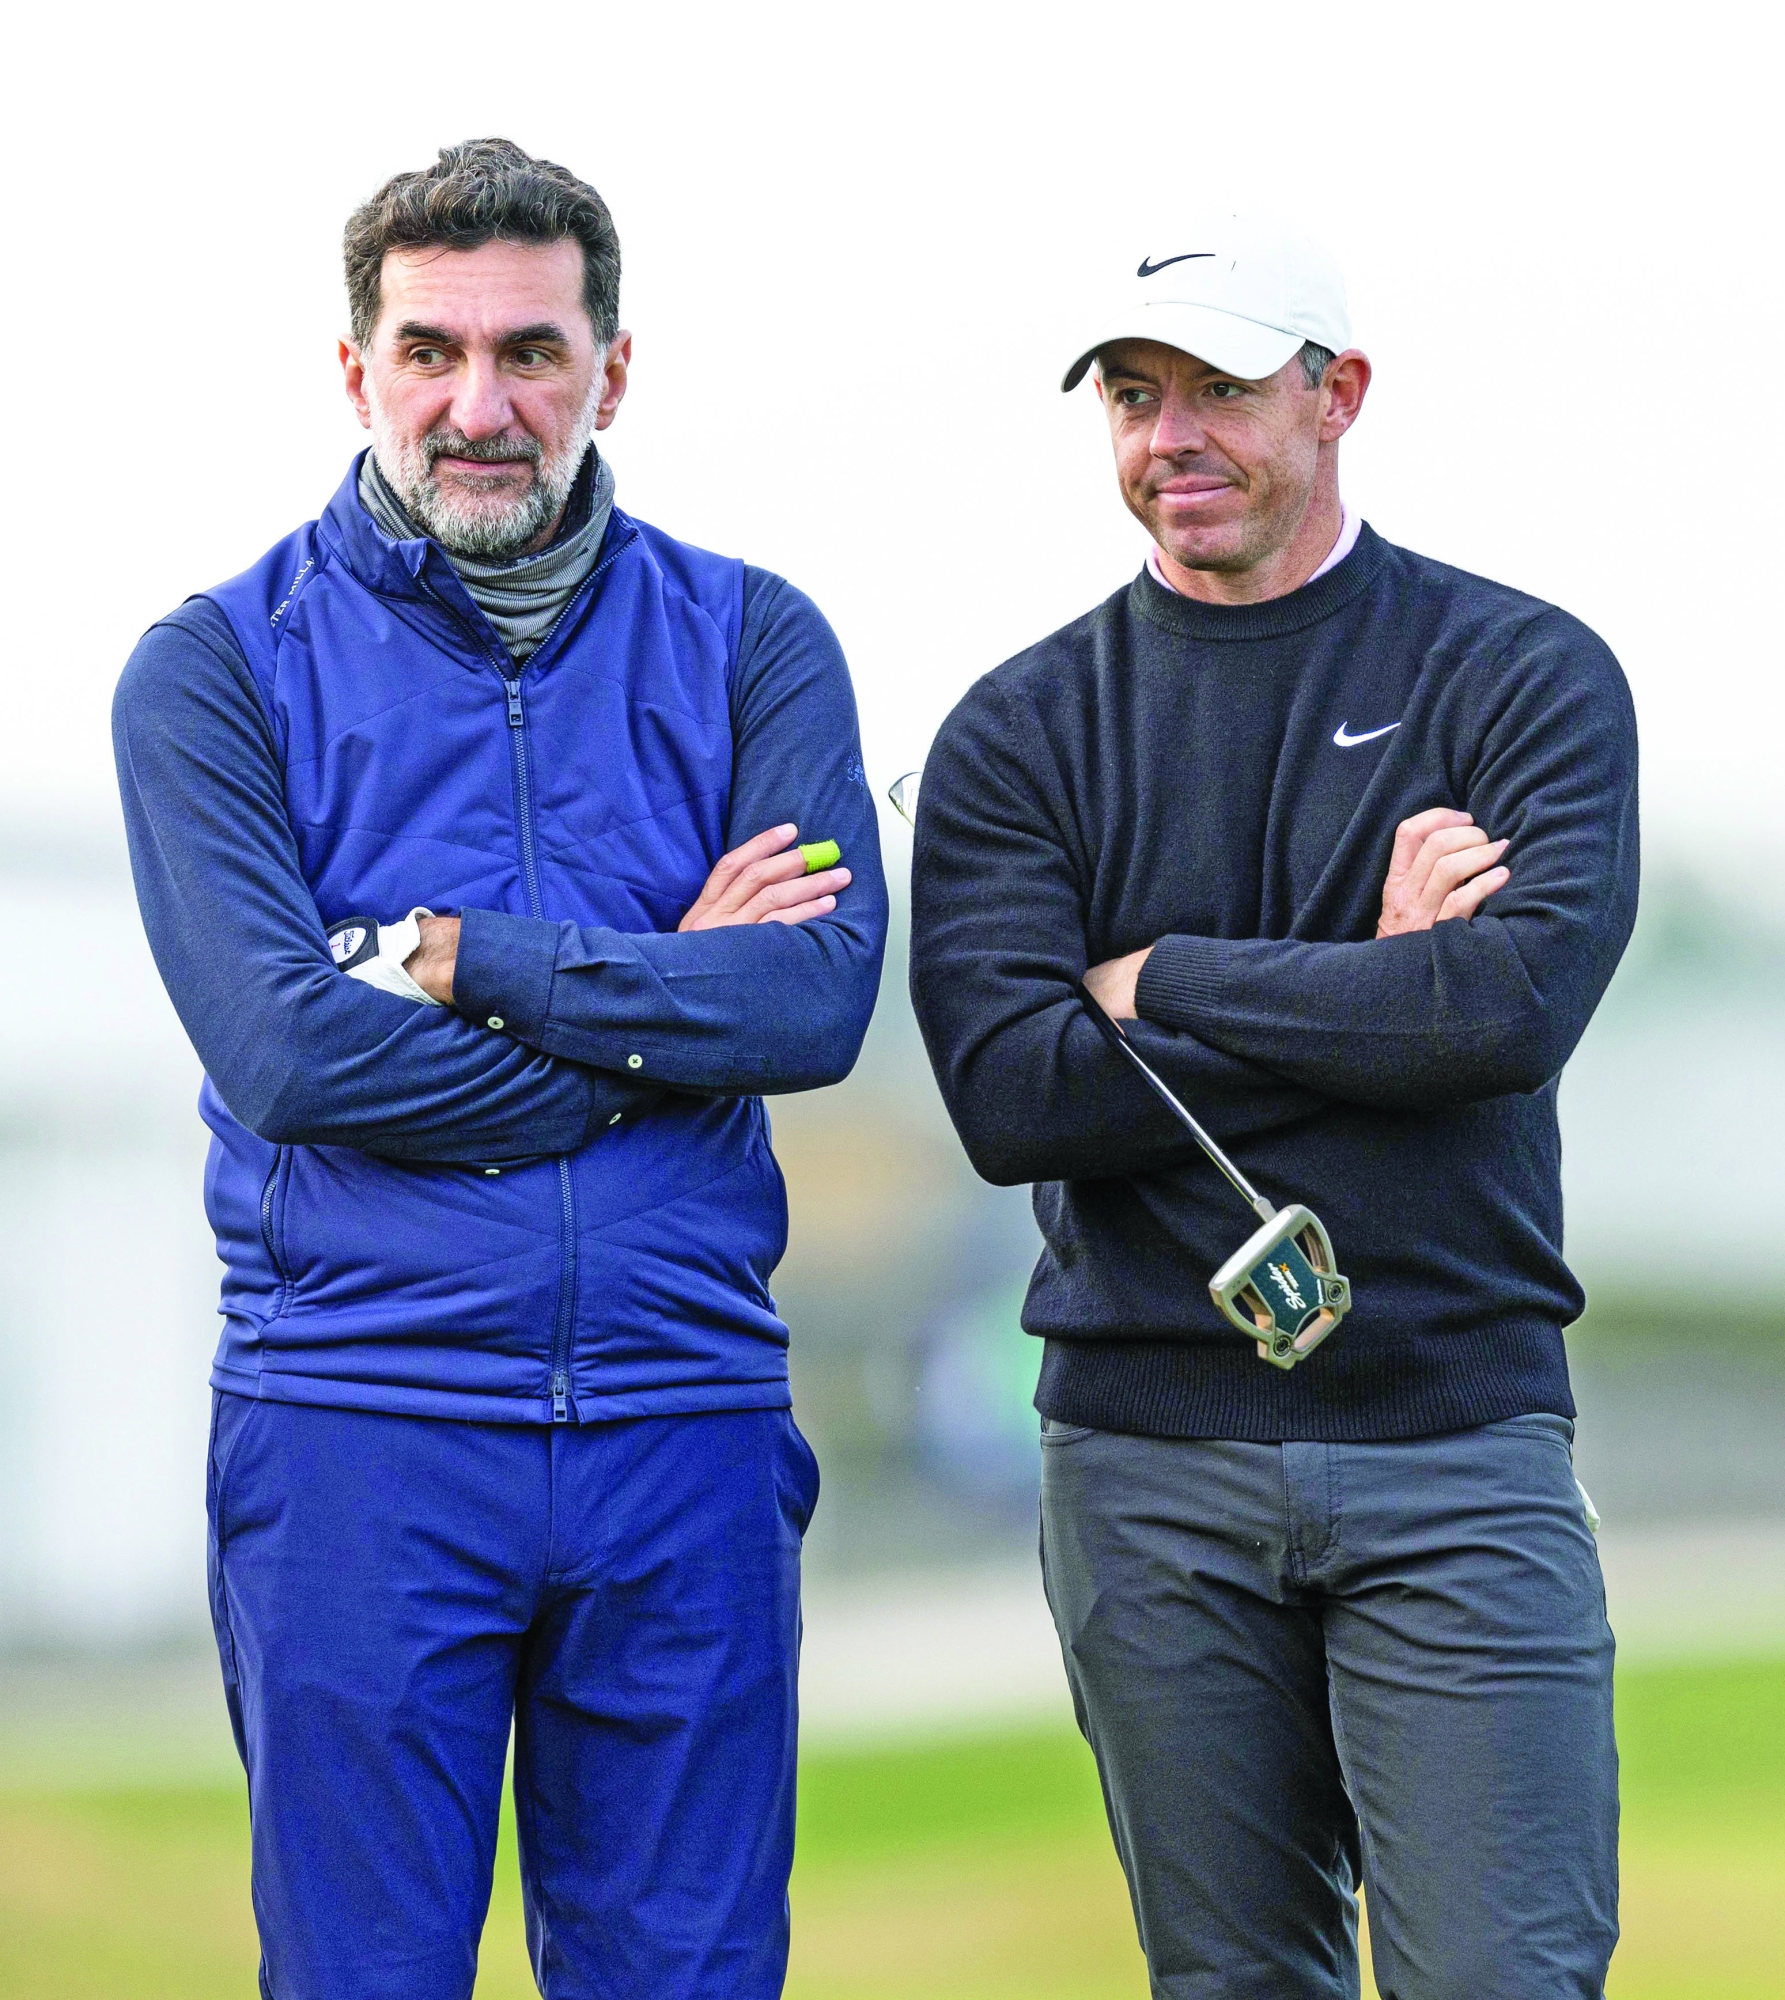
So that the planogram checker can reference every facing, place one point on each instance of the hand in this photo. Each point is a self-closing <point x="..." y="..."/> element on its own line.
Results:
<point x="432" y="962"/>
<point x="1113" y="984"/>
<point x="765" y="882"/>
<point x="1443" y="866"/>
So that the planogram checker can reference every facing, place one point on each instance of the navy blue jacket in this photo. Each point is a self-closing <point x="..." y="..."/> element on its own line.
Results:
<point x="1223" y="783"/>
<point x="573" y="1214"/>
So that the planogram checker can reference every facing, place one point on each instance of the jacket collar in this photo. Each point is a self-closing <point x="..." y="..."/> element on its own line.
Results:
<point x="392" y="569"/>
<point x="420" y="572"/>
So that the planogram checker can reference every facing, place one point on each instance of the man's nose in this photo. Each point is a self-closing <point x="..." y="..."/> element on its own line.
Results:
<point x="481" y="406"/>
<point x="1176" y="430"/>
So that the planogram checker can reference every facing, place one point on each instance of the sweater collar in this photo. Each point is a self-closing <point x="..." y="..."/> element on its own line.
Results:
<point x="1190" y="618"/>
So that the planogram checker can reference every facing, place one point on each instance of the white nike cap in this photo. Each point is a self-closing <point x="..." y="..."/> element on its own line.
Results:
<point x="1240" y="292"/>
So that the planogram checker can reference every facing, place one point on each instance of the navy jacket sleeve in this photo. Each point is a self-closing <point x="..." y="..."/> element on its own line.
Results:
<point x="755" y="1008"/>
<point x="1471" y="1010"/>
<point x="301" y="1054"/>
<point x="997" y="950"/>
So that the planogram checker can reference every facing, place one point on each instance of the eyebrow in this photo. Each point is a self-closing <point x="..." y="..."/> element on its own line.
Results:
<point x="1106" y="363"/>
<point x="1146" y="380"/>
<point x="541" y="333"/>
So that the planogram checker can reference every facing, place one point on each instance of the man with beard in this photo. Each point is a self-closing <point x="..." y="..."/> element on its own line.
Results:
<point x="466" y="828"/>
<point x="1347" y="839"/>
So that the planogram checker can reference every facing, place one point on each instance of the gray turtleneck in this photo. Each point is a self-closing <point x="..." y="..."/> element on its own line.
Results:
<point x="522" y="599"/>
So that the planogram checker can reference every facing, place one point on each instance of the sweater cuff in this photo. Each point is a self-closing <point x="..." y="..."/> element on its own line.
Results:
<point x="1180" y="984"/>
<point x="503" y="977"/>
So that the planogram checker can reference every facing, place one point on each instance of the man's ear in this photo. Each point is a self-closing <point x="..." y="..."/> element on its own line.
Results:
<point x="1346" y="385"/>
<point x="614" y="366"/>
<point x="353" y="372"/>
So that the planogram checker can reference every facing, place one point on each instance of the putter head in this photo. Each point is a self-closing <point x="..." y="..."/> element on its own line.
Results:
<point x="1282" y="1286"/>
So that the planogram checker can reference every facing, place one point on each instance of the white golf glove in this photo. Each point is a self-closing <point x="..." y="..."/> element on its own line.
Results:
<point x="374" y="952"/>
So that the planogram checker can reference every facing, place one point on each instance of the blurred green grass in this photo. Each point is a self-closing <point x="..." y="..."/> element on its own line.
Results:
<point x="971" y="1869"/>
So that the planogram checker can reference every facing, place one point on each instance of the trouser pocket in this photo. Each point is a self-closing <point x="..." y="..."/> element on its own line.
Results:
<point x="229" y="1416"/>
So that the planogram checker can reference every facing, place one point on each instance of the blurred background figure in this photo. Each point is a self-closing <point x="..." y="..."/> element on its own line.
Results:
<point x="827" y="216"/>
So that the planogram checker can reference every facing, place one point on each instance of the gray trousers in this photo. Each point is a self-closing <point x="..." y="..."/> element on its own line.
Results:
<point x="1305" y="1665"/>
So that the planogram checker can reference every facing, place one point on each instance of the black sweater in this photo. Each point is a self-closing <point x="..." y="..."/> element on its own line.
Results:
<point x="1224" y="782"/>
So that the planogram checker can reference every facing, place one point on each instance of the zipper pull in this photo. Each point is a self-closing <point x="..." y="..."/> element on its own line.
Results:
<point x="560" y="1397"/>
<point x="515" y="717"/>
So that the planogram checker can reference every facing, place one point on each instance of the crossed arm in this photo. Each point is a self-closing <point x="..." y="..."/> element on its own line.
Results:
<point x="1497" y="930"/>
<point x="767" y="984"/>
<point x="765" y="881"/>
<point x="1443" y="869"/>
<point x="303" y="1055"/>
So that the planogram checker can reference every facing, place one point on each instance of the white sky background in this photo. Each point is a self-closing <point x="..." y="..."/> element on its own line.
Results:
<point x="853" y="242"/>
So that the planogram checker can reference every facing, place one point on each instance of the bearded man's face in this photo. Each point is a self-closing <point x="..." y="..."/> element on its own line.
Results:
<point x="482" y="385"/>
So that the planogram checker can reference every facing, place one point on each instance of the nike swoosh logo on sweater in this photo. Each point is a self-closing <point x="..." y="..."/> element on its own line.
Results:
<point x="1346" y="741"/>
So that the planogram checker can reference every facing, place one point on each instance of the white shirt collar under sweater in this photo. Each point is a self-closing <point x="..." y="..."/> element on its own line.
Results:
<point x="1350" y="525"/>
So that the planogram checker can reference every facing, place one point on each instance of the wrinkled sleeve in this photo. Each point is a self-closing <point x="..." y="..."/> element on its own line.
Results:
<point x="997" y="950"/>
<point x="299" y="1053"/>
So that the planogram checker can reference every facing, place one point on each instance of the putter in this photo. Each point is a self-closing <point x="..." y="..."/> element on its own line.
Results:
<point x="1282" y="1287"/>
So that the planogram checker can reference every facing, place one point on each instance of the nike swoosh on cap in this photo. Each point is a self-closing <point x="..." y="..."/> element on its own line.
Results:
<point x="1188" y="257"/>
<point x="1346" y="741"/>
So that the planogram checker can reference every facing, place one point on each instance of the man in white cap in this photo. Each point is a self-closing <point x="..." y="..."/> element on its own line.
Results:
<point x="1347" y="841"/>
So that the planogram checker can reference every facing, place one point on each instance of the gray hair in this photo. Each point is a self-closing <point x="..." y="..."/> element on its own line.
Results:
<point x="484" y="191"/>
<point x="1315" y="360"/>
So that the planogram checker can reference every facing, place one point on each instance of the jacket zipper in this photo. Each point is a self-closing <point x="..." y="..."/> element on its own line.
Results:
<point x="523" y="793"/>
<point x="517" y="738"/>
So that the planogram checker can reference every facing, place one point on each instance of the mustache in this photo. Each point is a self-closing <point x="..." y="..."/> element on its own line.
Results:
<point x="448" y="443"/>
<point x="1197" y="465"/>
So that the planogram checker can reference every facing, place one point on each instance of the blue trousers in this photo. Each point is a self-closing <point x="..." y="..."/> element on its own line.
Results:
<point x="391" y="1592"/>
<point x="1302" y="1665"/>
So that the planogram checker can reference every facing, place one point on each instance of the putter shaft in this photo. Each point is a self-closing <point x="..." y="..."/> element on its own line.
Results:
<point x="1113" y="1034"/>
